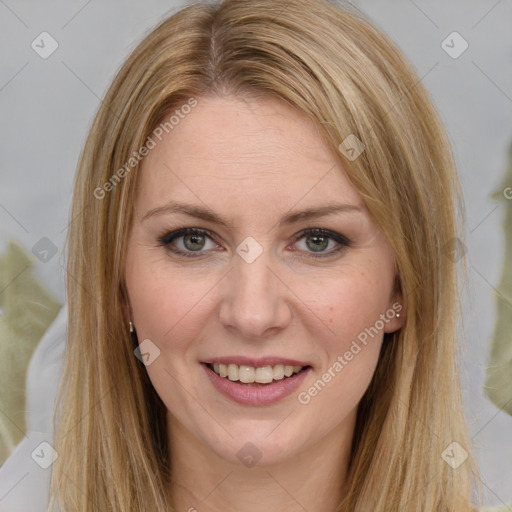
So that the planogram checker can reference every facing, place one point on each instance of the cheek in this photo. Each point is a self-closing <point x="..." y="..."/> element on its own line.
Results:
<point x="349" y="355"/>
<point x="162" y="296"/>
<point x="162" y="300"/>
<point x="169" y="308"/>
<point x="353" y="309"/>
<point x="351" y="305"/>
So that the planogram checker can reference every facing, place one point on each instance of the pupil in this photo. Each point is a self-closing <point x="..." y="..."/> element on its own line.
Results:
<point x="321" y="242"/>
<point x="196" y="240"/>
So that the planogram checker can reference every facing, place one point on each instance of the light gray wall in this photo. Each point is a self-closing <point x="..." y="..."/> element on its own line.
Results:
<point x="474" y="96"/>
<point x="47" y="106"/>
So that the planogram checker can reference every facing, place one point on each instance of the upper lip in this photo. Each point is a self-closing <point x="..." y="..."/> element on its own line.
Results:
<point x="256" y="362"/>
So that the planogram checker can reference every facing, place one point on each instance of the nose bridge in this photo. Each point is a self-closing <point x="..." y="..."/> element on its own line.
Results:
<point x="253" y="280"/>
<point x="254" y="300"/>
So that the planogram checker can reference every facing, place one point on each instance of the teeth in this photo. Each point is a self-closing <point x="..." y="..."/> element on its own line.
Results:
<point x="249" y="374"/>
<point x="246" y="374"/>
<point x="278" y="372"/>
<point x="264" y="375"/>
<point x="232" y="372"/>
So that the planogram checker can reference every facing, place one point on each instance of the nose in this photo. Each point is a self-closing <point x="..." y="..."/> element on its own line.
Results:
<point x="255" y="299"/>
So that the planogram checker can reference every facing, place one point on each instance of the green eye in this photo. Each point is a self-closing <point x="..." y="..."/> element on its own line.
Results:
<point x="185" y="242"/>
<point x="193" y="242"/>
<point x="317" y="241"/>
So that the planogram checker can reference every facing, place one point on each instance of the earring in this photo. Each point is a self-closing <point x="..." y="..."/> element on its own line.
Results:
<point x="133" y="336"/>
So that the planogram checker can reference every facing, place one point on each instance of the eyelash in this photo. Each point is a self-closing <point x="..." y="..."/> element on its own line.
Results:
<point x="166" y="239"/>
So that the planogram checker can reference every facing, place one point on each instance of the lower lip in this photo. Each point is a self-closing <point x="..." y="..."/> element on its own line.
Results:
<point x="256" y="395"/>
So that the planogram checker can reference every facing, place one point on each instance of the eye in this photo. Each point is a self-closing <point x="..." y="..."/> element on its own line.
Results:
<point x="318" y="240"/>
<point x="188" y="242"/>
<point x="195" y="242"/>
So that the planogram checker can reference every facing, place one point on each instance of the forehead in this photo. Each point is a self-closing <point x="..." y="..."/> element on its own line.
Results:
<point x="248" y="155"/>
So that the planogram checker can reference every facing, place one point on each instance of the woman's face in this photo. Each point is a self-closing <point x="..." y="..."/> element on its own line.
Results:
<point x="253" y="287"/>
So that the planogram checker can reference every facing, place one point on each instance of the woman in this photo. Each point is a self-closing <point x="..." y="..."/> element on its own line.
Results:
<point x="261" y="288"/>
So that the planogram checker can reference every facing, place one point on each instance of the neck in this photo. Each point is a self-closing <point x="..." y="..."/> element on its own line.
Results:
<point x="312" y="479"/>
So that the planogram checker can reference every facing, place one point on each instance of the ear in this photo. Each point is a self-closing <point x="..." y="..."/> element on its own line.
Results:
<point x="396" y="311"/>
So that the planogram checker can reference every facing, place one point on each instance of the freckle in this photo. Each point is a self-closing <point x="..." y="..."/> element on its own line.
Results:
<point x="331" y="308"/>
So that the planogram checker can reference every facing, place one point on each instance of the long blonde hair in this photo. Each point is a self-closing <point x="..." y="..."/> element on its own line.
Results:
<point x="350" y="79"/>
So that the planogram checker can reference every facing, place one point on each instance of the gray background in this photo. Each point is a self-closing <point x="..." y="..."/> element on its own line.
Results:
<point x="47" y="106"/>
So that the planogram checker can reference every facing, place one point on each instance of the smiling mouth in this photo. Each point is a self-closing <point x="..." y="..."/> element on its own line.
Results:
<point x="261" y="376"/>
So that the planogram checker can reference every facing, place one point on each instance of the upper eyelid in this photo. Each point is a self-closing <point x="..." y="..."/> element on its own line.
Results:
<point x="177" y="233"/>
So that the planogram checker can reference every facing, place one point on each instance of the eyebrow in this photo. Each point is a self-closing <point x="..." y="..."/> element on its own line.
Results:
<point x="206" y="214"/>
